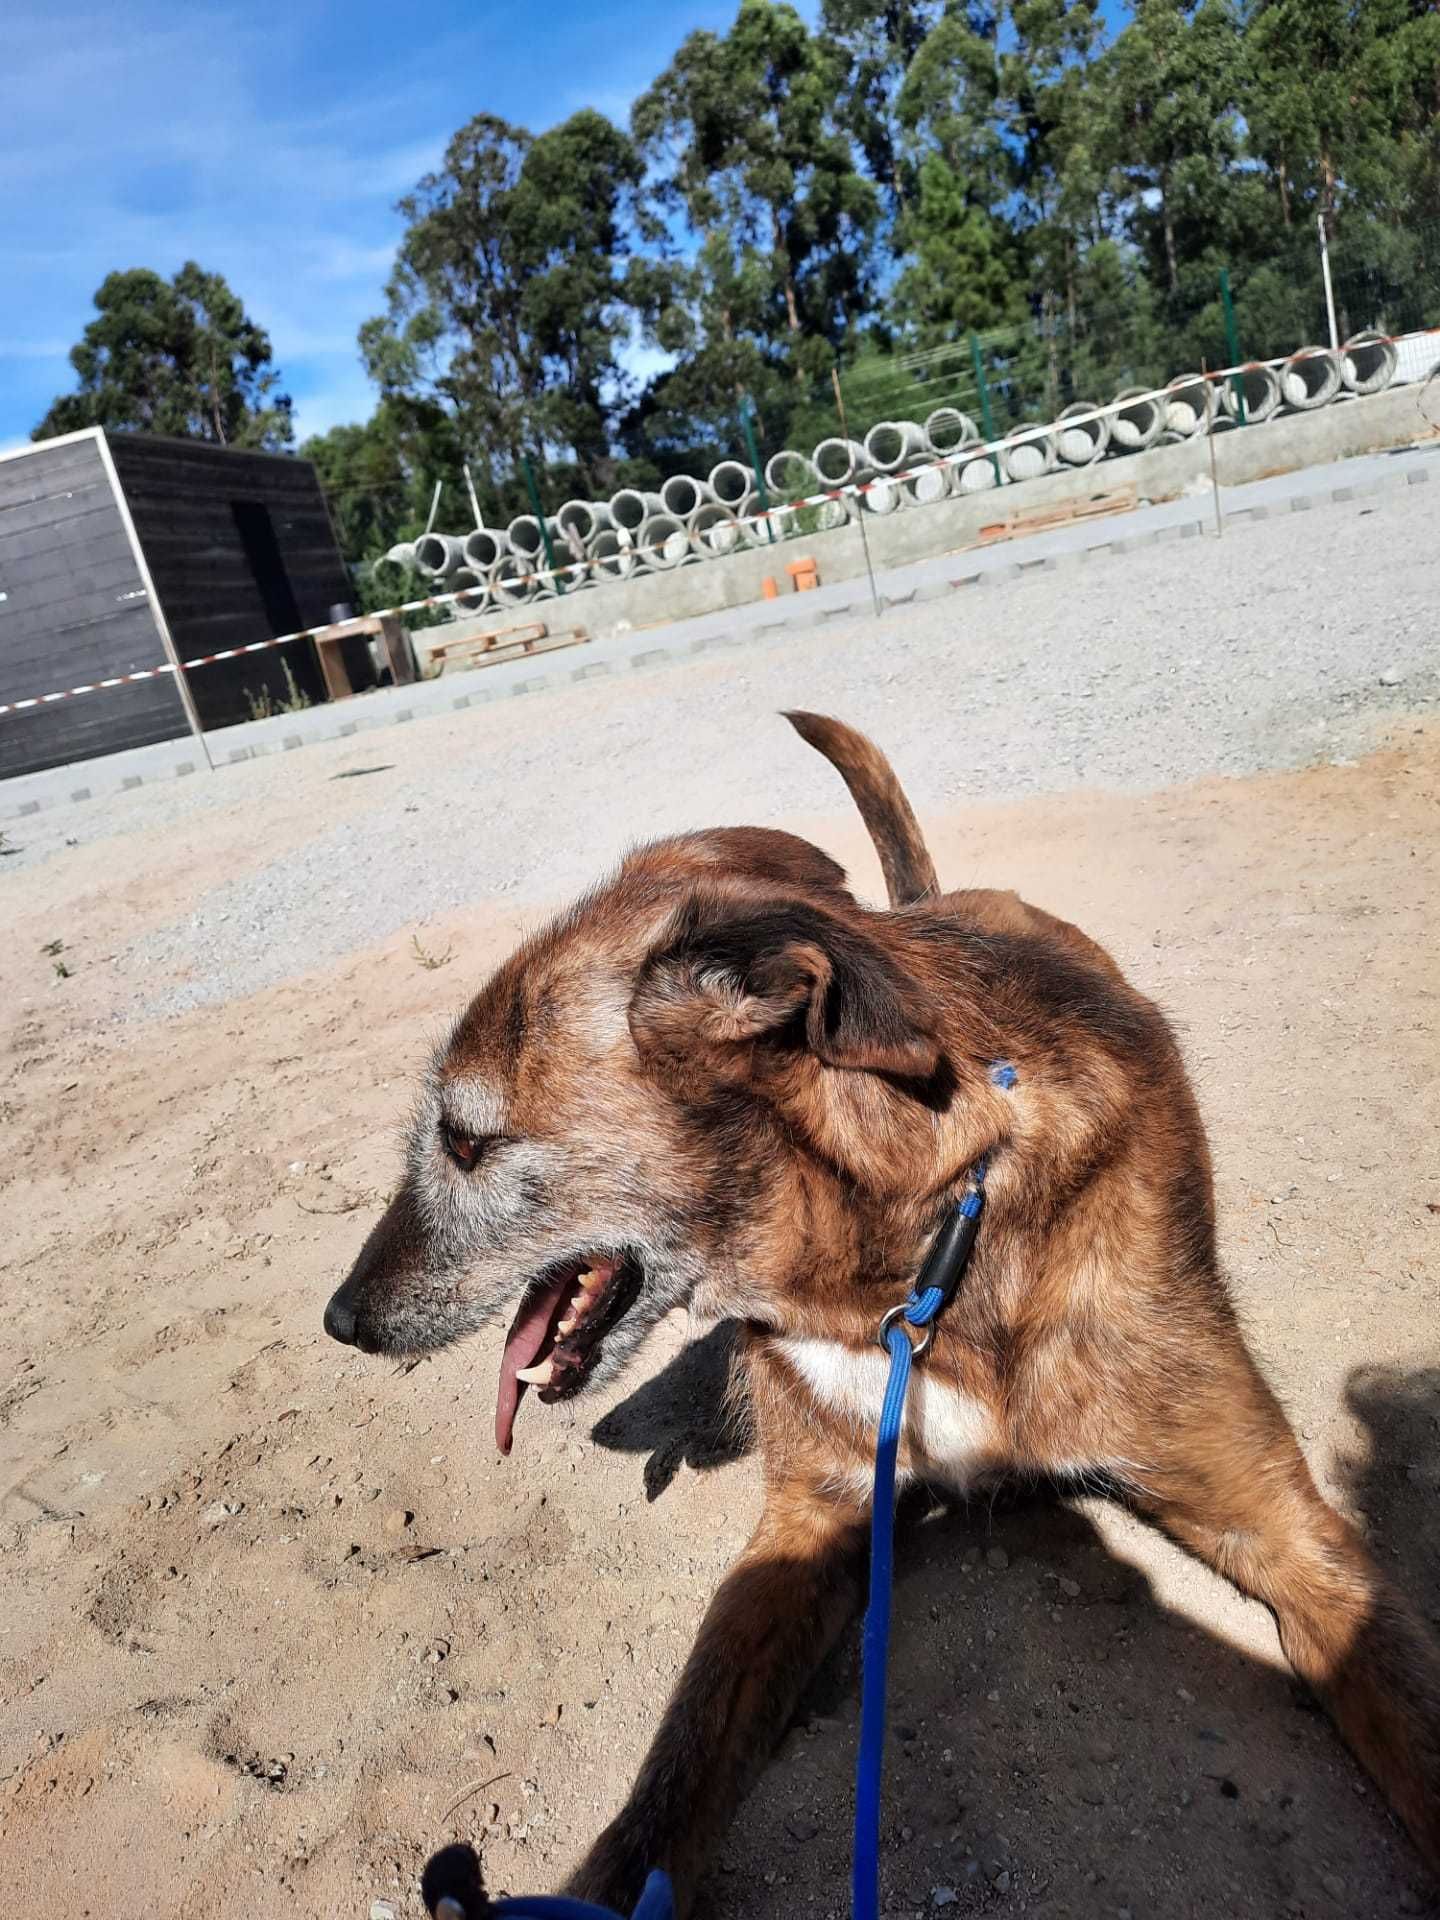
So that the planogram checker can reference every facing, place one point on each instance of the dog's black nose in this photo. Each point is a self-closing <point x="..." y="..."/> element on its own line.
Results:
<point x="340" y="1321"/>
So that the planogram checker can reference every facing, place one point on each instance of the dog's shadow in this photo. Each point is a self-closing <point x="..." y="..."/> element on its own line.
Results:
<point x="685" y="1416"/>
<point x="1064" y="1740"/>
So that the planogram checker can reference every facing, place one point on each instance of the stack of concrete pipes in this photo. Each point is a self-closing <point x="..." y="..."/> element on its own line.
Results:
<point x="899" y="464"/>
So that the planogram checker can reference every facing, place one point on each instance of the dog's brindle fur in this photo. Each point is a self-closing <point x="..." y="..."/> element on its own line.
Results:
<point x="721" y="1061"/>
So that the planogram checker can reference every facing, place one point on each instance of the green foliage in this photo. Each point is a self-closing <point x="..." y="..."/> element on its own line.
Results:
<point x="174" y="356"/>
<point x="1043" y="190"/>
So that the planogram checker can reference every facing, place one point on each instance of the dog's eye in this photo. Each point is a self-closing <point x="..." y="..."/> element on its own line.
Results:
<point x="465" y="1149"/>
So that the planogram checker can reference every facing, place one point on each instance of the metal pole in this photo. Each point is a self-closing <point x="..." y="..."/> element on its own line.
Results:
<point x="859" y="504"/>
<point x="536" y="509"/>
<point x="474" y="502"/>
<point x="434" y="507"/>
<point x="1329" y="290"/>
<point x="1232" y="342"/>
<point x="1210" y="436"/>
<point x="987" y="418"/>
<point x="763" y="496"/>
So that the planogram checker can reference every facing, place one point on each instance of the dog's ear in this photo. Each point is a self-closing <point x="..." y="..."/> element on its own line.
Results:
<point x="732" y="975"/>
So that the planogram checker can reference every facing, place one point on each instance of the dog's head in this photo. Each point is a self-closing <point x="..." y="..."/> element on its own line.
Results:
<point x="613" y="1127"/>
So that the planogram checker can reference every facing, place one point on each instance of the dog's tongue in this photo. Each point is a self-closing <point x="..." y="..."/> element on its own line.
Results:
<point x="522" y="1345"/>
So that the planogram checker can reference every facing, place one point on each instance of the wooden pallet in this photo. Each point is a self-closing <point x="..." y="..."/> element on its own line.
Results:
<point x="505" y="643"/>
<point x="1044" y="519"/>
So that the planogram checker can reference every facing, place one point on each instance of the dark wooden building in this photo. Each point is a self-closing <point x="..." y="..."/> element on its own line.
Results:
<point x="125" y="551"/>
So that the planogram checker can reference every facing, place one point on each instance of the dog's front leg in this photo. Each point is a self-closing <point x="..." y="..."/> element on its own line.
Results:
<point x="781" y="1607"/>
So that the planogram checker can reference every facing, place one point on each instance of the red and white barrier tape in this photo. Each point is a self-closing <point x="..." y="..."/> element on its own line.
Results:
<point x="962" y="456"/>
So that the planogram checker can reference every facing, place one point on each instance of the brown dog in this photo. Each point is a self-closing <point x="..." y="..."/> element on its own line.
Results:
<point x="719" y="1080"/>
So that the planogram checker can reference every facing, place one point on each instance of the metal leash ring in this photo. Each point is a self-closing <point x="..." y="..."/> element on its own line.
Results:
<point x="920" y="1347"/>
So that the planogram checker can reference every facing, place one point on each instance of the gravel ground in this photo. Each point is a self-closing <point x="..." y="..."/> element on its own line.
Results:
<point x="1131" y="673"/>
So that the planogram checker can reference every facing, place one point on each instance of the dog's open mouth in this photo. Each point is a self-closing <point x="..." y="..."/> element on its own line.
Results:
<point x="555" y="1338"/>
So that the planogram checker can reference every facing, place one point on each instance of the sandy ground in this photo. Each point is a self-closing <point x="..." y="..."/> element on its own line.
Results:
<point x="278" y="1625"/>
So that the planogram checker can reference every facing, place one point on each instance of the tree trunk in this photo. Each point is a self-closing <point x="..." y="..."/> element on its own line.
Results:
<point x="1167" y="224"/>
<point x="782" y="255"/>
<point x="1282" y="177"/>
<point x="1327" y="189"/>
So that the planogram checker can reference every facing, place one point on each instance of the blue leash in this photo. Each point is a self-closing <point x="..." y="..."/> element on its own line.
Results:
<point x="935" y="1287"/>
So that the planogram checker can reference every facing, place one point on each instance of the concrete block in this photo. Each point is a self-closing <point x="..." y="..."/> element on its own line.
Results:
<point x="81" y="793"/>
<point x="537" y="685"/>
<point x="346" y="731"/>
<point x="234" y="757"/>
<point x="131" y="780"/>
<point x="1417" y="476"/>
<point x="709" y="642"/>
<point x="406" y="713"/>
<point x="185" y="766"/>
<point x="1302" y="503"/>
<point x="1045" y="565"/>
<point x="459" y="703"/>
<point x="594" y="670"/>
<point x="292" y="741"/>
<point x="652" y="657"/>
<point x="934" y="590"/>
<point x="33" y="806"/>
<point x="1341" y="494"/>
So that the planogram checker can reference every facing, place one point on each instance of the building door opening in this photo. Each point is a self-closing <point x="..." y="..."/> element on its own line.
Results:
<point x="267" y="565"/>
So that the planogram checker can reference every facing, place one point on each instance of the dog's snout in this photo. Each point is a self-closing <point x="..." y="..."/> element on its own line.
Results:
<point x="340" y="1320"/>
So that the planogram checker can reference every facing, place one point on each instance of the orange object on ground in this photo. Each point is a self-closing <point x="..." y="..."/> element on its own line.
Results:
<point x="769" y="588"/>
<point x="804" y="574"/>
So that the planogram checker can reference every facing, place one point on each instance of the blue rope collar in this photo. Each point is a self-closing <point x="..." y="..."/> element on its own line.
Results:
<point x="935" y="1287"/>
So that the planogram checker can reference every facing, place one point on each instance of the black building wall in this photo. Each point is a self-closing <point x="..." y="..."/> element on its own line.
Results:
<point x="240" y="548"/>
<point x="74" y="611"/>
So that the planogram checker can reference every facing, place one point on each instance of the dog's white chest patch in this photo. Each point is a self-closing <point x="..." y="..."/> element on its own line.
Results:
<point x="955" y="1433"/>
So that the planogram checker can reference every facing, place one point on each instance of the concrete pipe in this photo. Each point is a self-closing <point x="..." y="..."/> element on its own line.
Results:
<point x="1261" y="388"/>
<point x="630" y="508"/>
<point x="1310" y="378"/>
<point x="512" y="581"/>
<point x="947" y="430"/>
<point x="473" y="589"/>
<point x="439" y="554"/>
<point x="714" y="529"/>
<point x="1367" y="363"/>
<point x="1189" y="404"/>
<point x="613" y="555"/>
<point x="583" y="517"/>
<point x="1137" y="422"/>
<point x="730" y="482"/>
<point x="789" y="475"/>
<point x="759" y="528"/>
<point x="681" y="494"/>
<point x="1084" y="443"/>
<point x="663" y="542"/>
<point x="484" y="547"/>
<point x="1028" y="459"/>
<point x="830" y="515"/>
<point x="402" y="555"/>
<point x="893" y="444"/>
<point x="884" y="496"/>
<point x="977" y="474"/>
<point x="837" y="462"/>
<point x="929" y="485"/>
<point x="525" y="537"/>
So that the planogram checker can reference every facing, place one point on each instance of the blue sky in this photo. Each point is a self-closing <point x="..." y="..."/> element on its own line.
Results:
<point x="269" y="143"/>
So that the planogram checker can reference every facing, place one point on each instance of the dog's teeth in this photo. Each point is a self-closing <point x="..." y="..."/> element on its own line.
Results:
<point x="540" y="1376"/>
<point x="568" y="1324"/>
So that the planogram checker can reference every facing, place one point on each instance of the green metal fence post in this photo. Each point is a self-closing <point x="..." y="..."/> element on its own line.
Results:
<point x="987" y="418"/>
<point x="539" y="513"/>
<point x="1232" y="344"/>
<point x="764" y="498"/>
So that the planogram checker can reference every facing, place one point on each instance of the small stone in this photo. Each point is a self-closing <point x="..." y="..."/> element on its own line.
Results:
<point x="1392" y="677"/>
<point x="437" y="1652"/>
<point x="381" y="1910"/>
<point x="943" y="1896"/>
<point x="1070" y="1589"/>
<point x="997" y="1558"/>
<point x="1333" y="1885"/>
<point x="801" y="1826"/>
<point x="1001" y="1882"/>
<point x="298" y="1166"/>
<point x="1409" y="1900"/>
<point x="972" y="1557"/>
<point x="907" y="1834"/>
<point x="219" y="1511"/>
<point x="396" y="1521"/>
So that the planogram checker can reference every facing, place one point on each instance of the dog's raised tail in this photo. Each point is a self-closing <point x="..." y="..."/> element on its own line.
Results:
<point x="904" y="858"/>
